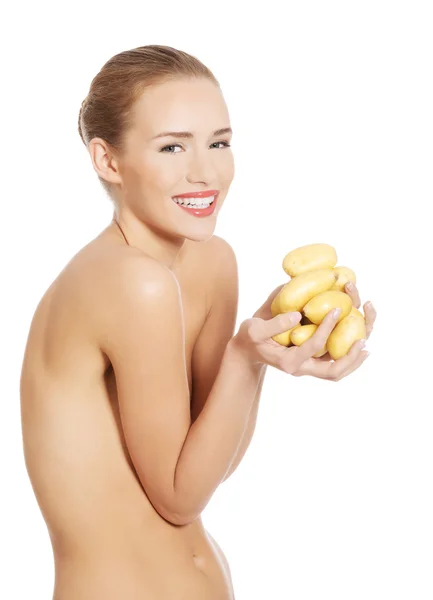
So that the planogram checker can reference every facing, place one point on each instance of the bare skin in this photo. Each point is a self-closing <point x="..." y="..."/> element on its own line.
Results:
<point x="108" y="540"/>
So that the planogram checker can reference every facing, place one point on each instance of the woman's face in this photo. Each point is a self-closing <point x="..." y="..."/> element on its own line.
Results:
<point x="154" y="169"/>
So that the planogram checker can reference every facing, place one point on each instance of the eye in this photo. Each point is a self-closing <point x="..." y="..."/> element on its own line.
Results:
<point x="164" y="149"/>
<point x="172" y="146"/>
<point x="227" y="145"/>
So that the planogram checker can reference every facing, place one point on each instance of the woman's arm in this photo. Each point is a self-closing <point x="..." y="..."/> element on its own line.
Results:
<point x="251" y="426"/>
<point x="141" y="331"/>
<point x="214" y="439"/>
<point x="216" y="333"/>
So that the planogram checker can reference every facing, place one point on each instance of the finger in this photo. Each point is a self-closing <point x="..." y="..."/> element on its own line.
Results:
<point x="332" y="370"/>
<point x="317" y="340"/>
<point x="352" y="291"/>
<point x="278" y="324"/>
<point x="345" y="363"/>
<point x="361" y="358"/>
<point x="370" y="317"/>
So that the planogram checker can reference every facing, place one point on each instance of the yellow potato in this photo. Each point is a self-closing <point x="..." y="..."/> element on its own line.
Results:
<point x="284" y="338"/>
<point x="295" y="294"/>
<point x="275" y="305"/>
<point x="319" y="306"/>
<point x="302" y="333"/>
<point x="356" y="313"/>
<point x="344" y="334"/>
<point x="344" y="275"/>
<point x="309" y="258"/>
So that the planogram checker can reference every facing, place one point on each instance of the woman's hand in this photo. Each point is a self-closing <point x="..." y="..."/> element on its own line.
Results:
<point x="324" y="367"/>
<point x="254" y="340"/>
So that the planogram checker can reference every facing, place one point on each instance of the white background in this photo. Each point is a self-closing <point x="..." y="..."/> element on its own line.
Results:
<point x="331" y="107"/>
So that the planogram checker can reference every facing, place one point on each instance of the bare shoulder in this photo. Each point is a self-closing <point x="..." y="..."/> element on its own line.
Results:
<point x="127" y="277"/>
<point x="220" y="248"/>
<point x="214" y="254"/>
<point x="138" y="273"/>
<point x="100" y="277"/>
<point x="225" y="264"/>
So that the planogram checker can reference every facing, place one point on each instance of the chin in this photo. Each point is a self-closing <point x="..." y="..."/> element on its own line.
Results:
<point x="196" y="229"/>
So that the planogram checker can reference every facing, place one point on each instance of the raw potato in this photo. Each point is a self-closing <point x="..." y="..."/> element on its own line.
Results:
<point x="302" y="333"/>
<point x="309" y="258"/>
<point x="319" y="306"/>
<point x="275" y="306"/>
<point x="318" y="286"/>
<point x="284" y="338"/>
<point x="295" y="294"/>
<point x="344" y="275"/>
<point x="344" y="334"/>
<point x="356" y="313"/>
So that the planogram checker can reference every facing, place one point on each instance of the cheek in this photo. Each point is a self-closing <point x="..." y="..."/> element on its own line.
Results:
<point x="161" y="173"/>
<point x="227" y="172"/>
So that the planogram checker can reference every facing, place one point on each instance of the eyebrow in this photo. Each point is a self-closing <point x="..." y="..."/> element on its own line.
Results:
<point x="188" y="134"/>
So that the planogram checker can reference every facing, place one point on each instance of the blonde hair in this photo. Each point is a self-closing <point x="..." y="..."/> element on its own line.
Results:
<point x="106" y="112"/>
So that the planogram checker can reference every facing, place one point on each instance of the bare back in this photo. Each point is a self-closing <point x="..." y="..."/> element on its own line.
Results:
<point x="109" y="542"/>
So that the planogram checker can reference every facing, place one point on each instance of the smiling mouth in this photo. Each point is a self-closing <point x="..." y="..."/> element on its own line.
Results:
<point x="197" y="208"/>
<point x="195" y="202"/>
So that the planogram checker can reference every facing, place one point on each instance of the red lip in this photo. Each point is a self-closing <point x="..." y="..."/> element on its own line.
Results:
<point x="197" y="194"/>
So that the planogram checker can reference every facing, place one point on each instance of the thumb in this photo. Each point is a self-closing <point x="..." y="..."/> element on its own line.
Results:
<point x="282" y="322"/>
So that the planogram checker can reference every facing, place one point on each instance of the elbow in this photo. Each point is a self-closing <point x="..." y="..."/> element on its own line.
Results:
<point x="172" y="507"/>
<point x="177" y="519"/>
<point x="174" y="516"/>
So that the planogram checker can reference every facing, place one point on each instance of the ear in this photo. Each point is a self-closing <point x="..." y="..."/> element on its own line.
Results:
<point x="103" y="160"/>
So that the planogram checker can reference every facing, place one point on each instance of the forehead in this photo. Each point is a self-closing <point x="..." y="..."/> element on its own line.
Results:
<point x="195" y="105"/>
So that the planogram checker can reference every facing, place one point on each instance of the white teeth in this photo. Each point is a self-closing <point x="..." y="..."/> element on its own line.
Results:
<point x="196" y="202"/>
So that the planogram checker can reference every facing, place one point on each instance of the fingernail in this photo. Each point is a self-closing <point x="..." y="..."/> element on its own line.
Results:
<point x="336" y="312"/>
<point x="349" y="284"/>
<point x="362" y="344"/>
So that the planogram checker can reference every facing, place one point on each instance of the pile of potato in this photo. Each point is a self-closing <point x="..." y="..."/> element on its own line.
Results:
<point x="316" y="287"/>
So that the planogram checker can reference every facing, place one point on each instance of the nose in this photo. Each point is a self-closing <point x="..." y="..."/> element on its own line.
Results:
<point x="200" y="169"/>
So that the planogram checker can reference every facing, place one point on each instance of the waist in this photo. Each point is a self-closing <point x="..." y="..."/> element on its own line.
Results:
<point x="156" y="566"/>
<point x="118" y="581"/>
<point x="137" y="534"/>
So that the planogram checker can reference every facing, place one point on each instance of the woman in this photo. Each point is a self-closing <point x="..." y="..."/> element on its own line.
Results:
<point x="137" y="398"/>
